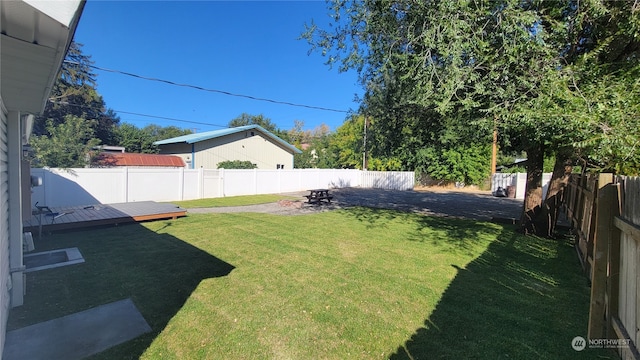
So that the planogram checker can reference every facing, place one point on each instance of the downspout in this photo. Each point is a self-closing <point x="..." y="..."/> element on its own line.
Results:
<point x="14" y="152"/>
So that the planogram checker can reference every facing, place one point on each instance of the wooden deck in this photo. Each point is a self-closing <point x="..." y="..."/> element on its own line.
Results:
<point x="63" y="218"/>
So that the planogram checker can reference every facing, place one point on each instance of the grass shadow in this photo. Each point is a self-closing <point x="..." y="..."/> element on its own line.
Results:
<point x="510" y="302"/>
<point x="158" y="271"/>
<point x="448" y="234"/>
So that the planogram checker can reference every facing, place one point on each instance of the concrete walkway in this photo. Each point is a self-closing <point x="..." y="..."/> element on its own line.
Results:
<point x="78" y="335"/>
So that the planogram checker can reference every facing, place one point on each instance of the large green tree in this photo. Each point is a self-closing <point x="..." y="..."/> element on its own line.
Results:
<point x="74" y="93"/>
<point x="317" y="151"/>
<point x="484" y="68"/>
<point x="348" y="143"/>
<point x="67" y="144"/>
<point x="248" y="119"/>
<point x="167" y="132"/>
<point x="261" y="120"/>
<point x="135" y="140"/>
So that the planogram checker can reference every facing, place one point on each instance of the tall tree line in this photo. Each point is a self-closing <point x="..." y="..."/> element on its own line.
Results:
<point x="76" y="120"/>
<point x="553" y="78"/>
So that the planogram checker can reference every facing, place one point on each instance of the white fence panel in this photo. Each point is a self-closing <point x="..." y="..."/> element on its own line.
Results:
<point x="191" y="182"/>
<point x="290" y="180"/>
<point x="396" y="180"/>
<point x="346" y="178"/>
<point x="268" y="181"/>
<point x="519" y="181"/>
<point x="500" y="180"/>
<point x="546" y="179"/>
<point x="153" y="184"/>
<point x="76" y="187"/>
<point x="310" y="179"/>
<point x="239" y="182"/>
<point x="211" y="183"/>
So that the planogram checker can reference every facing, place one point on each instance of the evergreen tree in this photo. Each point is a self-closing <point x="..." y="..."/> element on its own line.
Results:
<point x="74" y="93"/>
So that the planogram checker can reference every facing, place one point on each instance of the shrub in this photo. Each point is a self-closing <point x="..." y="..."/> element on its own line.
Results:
<point x="236" y="164"/>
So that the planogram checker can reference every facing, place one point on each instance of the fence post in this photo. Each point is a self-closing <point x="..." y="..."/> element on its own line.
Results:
<point x="200" y="183"/>
<point x="521" y="185"/>
<point x="221" y="191"/>
<point x="125" y="174"/>
<point x="181" y="184"/>
<point x="613" y="282"/>
<point x="603" y="227"/>
<point x="255" y="181"/>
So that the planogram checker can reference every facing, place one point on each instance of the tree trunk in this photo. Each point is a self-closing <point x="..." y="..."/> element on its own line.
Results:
<point x="533" y="192"/>
<point x="547" y="218"/>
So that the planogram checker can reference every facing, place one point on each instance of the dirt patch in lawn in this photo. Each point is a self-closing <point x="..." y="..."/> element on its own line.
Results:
<point x="458" y="203"/>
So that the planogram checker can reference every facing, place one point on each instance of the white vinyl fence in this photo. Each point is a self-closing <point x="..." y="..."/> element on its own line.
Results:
<point x="87" y="186"/>
<point x="518" y="181"/>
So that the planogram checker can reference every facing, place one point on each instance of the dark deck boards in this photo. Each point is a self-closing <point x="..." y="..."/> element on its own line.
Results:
<point x="104" y="214"/>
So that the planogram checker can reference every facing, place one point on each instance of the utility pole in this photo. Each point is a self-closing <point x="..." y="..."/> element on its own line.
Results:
<point x="364" y="145"/>
<point x="494" y="147"/>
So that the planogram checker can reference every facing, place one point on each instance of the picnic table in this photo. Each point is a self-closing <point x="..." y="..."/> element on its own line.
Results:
<point x="317" y="196"/>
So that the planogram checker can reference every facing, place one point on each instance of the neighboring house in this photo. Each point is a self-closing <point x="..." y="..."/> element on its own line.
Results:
<point x="34" y="39"/>
<point x="245" y="143"/>
<point x="110" y="159"/>
<point x="109" y="148"/>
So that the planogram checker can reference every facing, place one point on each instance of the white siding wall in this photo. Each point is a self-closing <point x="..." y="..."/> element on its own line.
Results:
<point x="182" y="150"/>
<point x="242" y="146"/>
<point x="4" y="226"/>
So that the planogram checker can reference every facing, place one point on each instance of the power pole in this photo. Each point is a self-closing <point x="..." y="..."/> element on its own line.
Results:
<point x="494" y="147"/>
<point x="364" y="145"/>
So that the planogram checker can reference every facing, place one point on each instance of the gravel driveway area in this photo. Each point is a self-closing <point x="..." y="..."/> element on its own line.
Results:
<point x="459" y="204"/>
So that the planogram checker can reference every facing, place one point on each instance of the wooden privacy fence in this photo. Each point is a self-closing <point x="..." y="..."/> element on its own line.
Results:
<point x="605" y="213"/>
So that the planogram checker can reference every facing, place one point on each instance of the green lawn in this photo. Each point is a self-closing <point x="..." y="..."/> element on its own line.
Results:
<point x="349" y="284"/>
<point x="233" y="201"/>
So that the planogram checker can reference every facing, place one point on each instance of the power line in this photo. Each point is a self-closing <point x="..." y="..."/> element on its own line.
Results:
<point x="168" y="118"/>
<point x="140" y="114"/>
<point x="211" y="90"/>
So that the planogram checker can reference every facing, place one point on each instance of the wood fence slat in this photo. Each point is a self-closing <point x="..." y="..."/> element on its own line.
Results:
<point x="613" y="280"/>
<point x="629" y="223"/>
<point x="632" y="326"/>
<point x="624" y="279"/>
<point x="628" y="228"/>
<point x="608" y="226"/>
<point x="602" y="226"/>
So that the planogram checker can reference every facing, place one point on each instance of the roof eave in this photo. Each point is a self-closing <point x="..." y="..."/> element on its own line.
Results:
<point x="35" y="38"/>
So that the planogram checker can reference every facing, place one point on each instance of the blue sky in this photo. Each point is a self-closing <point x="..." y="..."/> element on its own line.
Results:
<point x="248" y="48"/>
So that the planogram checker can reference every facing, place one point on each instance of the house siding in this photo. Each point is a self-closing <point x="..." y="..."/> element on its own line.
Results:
<point x="244" y="146"/>
<point x="4" y="226"/>
<point x="182" y="150"/>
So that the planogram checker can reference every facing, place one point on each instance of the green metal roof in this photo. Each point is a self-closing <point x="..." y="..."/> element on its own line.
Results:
<point x="194" y="138"/>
